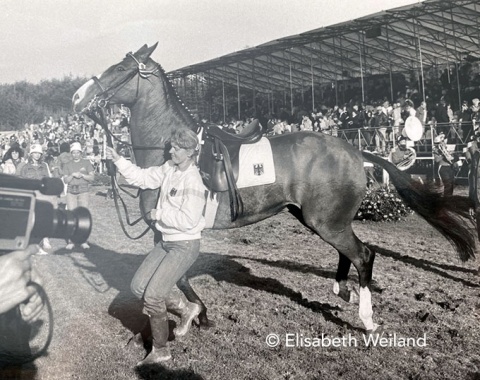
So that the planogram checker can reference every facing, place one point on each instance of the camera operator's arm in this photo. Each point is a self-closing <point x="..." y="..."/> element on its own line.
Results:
<point x="16" y="277"/>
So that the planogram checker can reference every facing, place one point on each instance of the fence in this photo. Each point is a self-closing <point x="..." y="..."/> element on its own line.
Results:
<point x="456" y="138"/>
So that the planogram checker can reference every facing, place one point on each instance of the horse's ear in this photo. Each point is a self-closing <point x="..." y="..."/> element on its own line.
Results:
<point x="151" y="49"/>
<point x="142" y="50"/>
<point x="145" y="52"/>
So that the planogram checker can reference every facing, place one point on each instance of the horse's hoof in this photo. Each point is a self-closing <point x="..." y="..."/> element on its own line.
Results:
<point x="135" y="341"/>
<point x="190" y="313"/>
<point x="377" y="330"/>
<point x="354" y="297"/>
<point x="206" y="323"/>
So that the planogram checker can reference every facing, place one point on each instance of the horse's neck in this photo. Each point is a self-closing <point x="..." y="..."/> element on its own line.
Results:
<point x="153" y="117"/>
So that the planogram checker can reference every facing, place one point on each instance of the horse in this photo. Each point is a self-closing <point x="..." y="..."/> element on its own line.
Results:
<point x="320" y="179"/>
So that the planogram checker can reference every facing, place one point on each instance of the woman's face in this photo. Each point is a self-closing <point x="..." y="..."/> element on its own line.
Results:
<point x="180" y="155"/>
<point x="36" y="156"/>
<point x="15" y="155"/>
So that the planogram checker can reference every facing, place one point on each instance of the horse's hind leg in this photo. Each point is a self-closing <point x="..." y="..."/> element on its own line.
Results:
<point x="342" y="238"/>
<point x="184" y="285"/>
<point x="362" y="258"/>
<point x="340" y="286"/>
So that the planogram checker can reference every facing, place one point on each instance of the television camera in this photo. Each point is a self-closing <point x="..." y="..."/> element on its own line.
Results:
<point x="26" y="220"/>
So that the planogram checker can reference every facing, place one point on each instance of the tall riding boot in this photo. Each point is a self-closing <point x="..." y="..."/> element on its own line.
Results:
<point x="187" y="311"/>
<point x="160" y="351"/>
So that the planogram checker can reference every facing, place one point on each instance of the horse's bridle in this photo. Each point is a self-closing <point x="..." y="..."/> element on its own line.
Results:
<point x="101" y="100"/>
<point x="96" y="109"/>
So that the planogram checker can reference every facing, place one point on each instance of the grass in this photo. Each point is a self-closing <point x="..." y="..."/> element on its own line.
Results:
<point x="272" y="277"/>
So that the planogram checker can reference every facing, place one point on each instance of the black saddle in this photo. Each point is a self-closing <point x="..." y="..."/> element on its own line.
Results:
<point x="218" y="160"/>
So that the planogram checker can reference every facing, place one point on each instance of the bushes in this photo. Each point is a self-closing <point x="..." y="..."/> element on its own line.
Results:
<point x="382" y="204"/>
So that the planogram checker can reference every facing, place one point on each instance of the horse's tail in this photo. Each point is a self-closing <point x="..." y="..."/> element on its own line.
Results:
<point x="448" y="215"/>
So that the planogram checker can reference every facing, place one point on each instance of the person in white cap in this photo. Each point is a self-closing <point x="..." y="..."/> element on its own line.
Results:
<point x="35" y="168"/>
<point x="77" y="174"/>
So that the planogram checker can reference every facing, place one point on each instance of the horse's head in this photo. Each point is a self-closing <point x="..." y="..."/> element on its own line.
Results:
<point x="118" y="84"/>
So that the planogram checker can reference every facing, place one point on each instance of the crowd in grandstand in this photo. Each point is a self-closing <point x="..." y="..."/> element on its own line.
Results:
<point x="375" y="126"/>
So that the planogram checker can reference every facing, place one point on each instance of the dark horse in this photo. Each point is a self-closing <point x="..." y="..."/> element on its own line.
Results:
<point x="320" y="178"/>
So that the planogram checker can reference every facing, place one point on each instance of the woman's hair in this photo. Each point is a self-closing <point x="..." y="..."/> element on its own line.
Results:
<point x="8" y="155"/>
<point x="186" y="139"/>
<point x="64" y="147"/>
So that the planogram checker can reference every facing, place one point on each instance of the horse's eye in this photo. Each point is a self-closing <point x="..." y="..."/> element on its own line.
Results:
<point x="120" y="68"/>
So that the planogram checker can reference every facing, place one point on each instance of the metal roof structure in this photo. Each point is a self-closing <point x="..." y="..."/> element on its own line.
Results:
<point x="414" y="37"/>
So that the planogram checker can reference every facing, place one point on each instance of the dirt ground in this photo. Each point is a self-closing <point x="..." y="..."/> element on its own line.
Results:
<point x="274" y="277"/>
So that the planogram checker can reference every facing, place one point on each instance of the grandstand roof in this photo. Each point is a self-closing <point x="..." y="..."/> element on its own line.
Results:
<point x="444" y="31"/>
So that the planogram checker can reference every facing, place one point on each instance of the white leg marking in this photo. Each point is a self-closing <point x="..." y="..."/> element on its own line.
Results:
<point x="336" y="288"/>
<point x="365" y="308"/>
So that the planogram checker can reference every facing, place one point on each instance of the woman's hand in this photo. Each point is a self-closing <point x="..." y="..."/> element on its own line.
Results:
<point x="111" y="154"/>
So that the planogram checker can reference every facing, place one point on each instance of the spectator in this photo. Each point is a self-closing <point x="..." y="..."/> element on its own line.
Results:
<point x="465" y="120"/>
<point x="441" y="117"/>
<point x="77" y="174"/>
<point x="35" y="168"/>
<point x="13" y="161"/>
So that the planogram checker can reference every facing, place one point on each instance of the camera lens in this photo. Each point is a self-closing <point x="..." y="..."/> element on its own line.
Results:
<point x="74" y="225"/>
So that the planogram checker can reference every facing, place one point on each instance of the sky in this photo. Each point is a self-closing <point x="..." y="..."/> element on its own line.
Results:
<point x="45" y="39"/>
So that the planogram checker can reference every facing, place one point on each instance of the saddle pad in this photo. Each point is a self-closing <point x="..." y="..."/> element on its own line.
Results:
<point x="255" y="164"/>
<point x="211" y="208"/>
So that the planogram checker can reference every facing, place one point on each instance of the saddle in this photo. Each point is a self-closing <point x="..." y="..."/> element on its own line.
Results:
<point x="219" y="163"/>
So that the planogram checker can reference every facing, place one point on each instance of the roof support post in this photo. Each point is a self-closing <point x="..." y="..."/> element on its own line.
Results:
<point x="360" y="45"/>
<point x="336" y="74"/>
<point x="418" y="50"/>
<point x="456" y="61"/>
<point x="238" y="94"/>
<point x="389" y="65"/>
<point x="291" y="88"/>
<point x="196" y="93"/>
<point x="209" y="101"/>
<point x="224" y="100"/>
<point x="343" y="77"/>
<point x="313" y="84"/>
<point x="254" y="90"/>
<point x="184" y="88"/>
<point x="446" y="51"/>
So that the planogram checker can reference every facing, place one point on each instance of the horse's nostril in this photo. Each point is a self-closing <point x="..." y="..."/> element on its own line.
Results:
<point x="76" y="97"/>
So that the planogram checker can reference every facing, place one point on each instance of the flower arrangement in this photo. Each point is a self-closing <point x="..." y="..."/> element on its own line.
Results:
<point x="382" y="204"/>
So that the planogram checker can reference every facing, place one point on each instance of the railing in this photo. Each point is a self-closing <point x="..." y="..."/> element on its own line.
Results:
<point x="372" y="139"/>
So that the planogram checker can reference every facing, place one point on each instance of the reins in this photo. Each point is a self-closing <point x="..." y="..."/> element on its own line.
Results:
<point x="98" y="116"/>
<point x="96" y="110"/>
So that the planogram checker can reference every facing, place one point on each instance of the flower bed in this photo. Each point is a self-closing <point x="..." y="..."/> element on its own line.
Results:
<point x="382" y="204"/>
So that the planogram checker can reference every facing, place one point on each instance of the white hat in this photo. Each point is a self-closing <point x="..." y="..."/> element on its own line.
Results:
<point x="36" y="148"/>
<point x="75" y="146"/>
<point x="439" y="138"/>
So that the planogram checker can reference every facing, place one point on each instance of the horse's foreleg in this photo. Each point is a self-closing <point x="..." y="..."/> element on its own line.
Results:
<point x="340" y="286"/>
<point x="184" y="285"/>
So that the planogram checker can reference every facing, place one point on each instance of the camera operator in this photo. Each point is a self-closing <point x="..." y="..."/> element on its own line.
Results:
<point x="20" y="304"/>
<point x="16" y="277"/>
